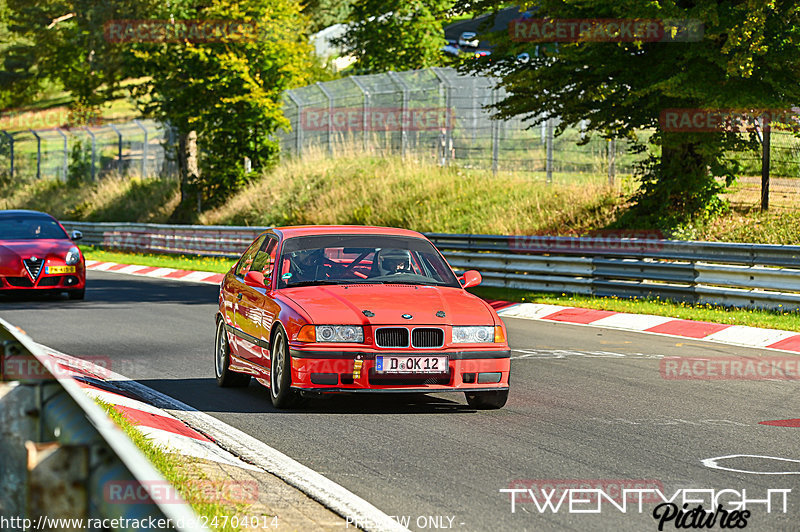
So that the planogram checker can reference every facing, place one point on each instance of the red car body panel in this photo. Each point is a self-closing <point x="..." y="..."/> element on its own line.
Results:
<point x="14" y="276"/>
<point x="251" y="315"/>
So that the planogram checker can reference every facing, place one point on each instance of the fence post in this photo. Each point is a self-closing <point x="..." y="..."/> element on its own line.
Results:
<point x="65" y="162"/>
<point x="330" y="115"/>
<point x="448" y="118"/>
<point x="119" y="147"/>
<point x="765" y="166"/>
<point x="94" y="148"/>
<point x="612" y="160"/>
<point x="144" y="148"/>
<point x="495" y="135"/>
<point x="364" y="110"/>
<point x="38" y="154"/>
<point x="549" y="149"/>
<point x="10" y="138"/>
<point x="403" y="112"/>
<point x="298" y="134"/>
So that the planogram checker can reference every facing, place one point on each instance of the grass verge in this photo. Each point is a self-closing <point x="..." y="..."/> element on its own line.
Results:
<point x="788" y="321"/>
<point x="176" y="470"/>
<point x="179" y="262"/>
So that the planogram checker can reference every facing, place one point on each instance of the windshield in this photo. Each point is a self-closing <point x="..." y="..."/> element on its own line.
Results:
<point x="362" y="259"/>
<point x="30" y="228"/>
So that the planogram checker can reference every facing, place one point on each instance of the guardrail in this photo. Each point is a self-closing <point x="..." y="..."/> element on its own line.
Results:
<point x="62" y="455"/>
<point x="743" y="275"/>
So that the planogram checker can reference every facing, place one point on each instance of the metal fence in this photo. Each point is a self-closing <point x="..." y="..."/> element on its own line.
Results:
<point x="439" y="115"/>
<point x="139" y="147"/>
<point x="741" y="275"/>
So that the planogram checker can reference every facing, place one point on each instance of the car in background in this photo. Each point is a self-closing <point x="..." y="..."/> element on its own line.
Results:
<point x="469" y="38"/>
<point x="450" y="47"/>
<point x="353" y="309"/>
<point x="37" y="255"/>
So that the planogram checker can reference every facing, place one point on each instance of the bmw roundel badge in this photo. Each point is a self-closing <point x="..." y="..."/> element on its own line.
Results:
<point x="407" y="316"/>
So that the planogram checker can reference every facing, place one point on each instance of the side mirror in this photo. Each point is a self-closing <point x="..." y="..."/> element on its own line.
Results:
<point x="256" y="279"/>
<point x="76" y="235"/>
<point x="470" y="278"/>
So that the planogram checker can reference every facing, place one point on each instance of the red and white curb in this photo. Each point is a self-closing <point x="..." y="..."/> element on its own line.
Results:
<point x="194" y="433"/>
<point x="158" y="426"/>
<point x="156" y="272"/>
<point x="699" y="330"/>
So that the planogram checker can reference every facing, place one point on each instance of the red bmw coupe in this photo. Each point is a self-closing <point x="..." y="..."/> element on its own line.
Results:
<point x="325" y="309"/>
<point x="36" y="254"/>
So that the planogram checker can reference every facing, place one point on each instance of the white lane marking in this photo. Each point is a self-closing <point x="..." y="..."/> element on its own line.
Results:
<point x="670" y="421"/>
<point x="633" y="322"/>
<point x="740" y="334"/>
<point x="180" y="444"/>
<point x="258" y="453"/>
<point x="712" y="463"/>
<point x="565" y="353"/>
<point x="530" y="310"/>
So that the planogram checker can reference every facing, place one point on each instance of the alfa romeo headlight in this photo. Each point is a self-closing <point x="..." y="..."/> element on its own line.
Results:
<point x="472" y="335"/>
<point x="73" y="256"/>
<point x="340" y="333"/>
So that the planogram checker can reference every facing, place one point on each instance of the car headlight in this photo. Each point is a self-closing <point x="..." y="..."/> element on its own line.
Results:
<point x="472" y="335"/>
<point x="339" y="333"/>
<point x="73" y="256"/>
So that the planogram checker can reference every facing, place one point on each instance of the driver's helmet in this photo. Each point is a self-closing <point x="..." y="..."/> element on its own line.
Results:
<point x="394" y="261"/>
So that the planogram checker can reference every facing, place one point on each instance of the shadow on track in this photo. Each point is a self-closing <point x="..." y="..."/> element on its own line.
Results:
<point x="117" y="289"/>
<point x="206" y="396"/>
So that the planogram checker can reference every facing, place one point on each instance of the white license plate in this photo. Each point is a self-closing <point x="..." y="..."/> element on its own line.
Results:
<point x="410" y="364"/>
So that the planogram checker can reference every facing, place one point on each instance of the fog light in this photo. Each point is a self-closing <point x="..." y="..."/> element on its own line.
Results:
<point x="325" y="378"/>
<point x="468" y="378"/>
<point x="487" y="378"/>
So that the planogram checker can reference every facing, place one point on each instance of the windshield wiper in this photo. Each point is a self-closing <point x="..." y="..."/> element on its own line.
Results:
<point x="311" y="283"/>
<point x="415" y="283"/>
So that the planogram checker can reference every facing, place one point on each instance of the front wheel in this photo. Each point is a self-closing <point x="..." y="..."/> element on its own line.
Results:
<point x="487" y="400"/>
<point x="222" y="362"/>
<point x="280" y="379"/>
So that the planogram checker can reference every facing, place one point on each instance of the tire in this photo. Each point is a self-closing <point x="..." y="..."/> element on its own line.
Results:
<point x="487" y="400"/>
<point x="280" y="375"/>
<point x="222" y="361"/>
<point x="76" y="294"/>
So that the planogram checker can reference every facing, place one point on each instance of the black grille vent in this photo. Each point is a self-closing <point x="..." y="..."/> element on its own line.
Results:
<point x="428" y="337"/>
<point x="19" y="282"/>
<point x="33" y="266"/>
<point x="391" y="337"/>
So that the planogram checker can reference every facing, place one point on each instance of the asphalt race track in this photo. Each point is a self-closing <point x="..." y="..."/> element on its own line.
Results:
<point x="587" y="405"/>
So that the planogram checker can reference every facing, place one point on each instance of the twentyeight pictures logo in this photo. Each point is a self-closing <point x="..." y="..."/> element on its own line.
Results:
<point x="604" y="30"/>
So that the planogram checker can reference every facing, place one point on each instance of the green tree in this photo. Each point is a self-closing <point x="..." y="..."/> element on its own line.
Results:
<point x="228" y="90"/>
<point x="395" y="34"/>
<point x="747" y="59"/>
<point x="324" y="13"/>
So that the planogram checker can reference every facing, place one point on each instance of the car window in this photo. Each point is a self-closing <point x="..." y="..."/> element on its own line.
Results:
<point x="248" y="256"/>
<point x="265" y="258"/>
<point x="30" y="228"/>
<point x="363" y="259"/>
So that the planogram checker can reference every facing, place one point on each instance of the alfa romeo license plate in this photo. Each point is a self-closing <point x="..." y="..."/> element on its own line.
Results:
<point x="59" y="269"/>
<point x="410" y="364"/>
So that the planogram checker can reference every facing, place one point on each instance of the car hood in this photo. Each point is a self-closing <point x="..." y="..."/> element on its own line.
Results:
<point x="13" y="252"/>
<point x="345" y="305"/>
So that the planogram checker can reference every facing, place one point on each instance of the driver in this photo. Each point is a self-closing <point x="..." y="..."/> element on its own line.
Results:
<point x="305" y="263"/>
<point x="395" y="261"/>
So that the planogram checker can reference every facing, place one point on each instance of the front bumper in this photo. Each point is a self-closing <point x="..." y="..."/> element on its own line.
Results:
<point x="339" y="371"/>
<point x="56" y="282"/>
